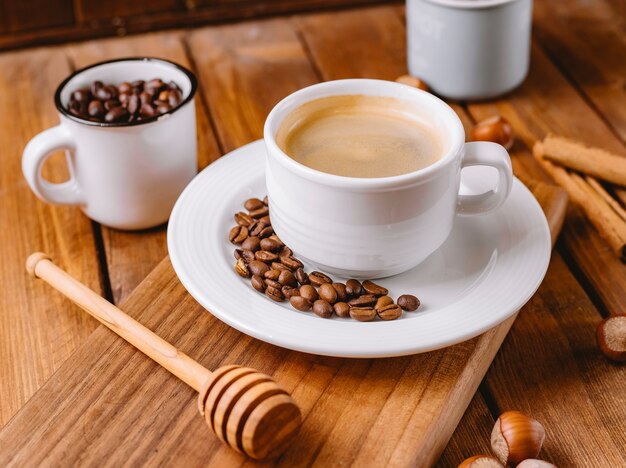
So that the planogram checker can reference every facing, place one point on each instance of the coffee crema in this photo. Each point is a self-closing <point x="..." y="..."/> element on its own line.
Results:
<point x="359" y="136"/>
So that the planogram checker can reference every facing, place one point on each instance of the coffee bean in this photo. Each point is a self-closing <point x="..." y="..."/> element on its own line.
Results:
<point x="238" y="254"/>
<point x="111" y="103"/>
<point x="123" y="98"/>
<point x="260" y="212"/>
<point x="382" y="302"/>
<point x="125" y="87"/>
<point x="362" y="314"/>
<point x="286" y="278"/>
<point x="238" y="234"/>
<point x="307" y="291"/>
<point x="243" y="219"/>
<point x="264" y="256"/>
<point x="253" y="204"/>
<point x="341" y="309"/>
<point x="103" y="93"/>
<point x="258" y="283"/>
<point x="112" y="90"/>
<point x="274" y="293"/>
<point x="96" y="109"/>
<point x="342" y="294"/>
<point x="251" y="243"/>
<point x="273" y="274"/>
<point x="164" y="95"/>
<point x="241" y="268"/>
<point x="327" y="293"/>
<point x="354" y="288"/>
<point x="366" y="300"/>
<point x="266" y="220"/>
<point x="291" y="263"/>
<point x="147" y="111"/>
<point x="81" y="95"/>
<point x="138" y="84"/>
<point x="289" y="291"/>
<point x="154" y="85"/>
<point x="247" y="255"/>
<point x="116" y="114"/>
<point x="145" y="98"/>
<point x="322" y="308"/>
<point x="163" y="108"/>
<point x="389" y="312"/>
<point x="301" y="276"/>
<point x="375" y="289"/>
<point x="266" y="232"/>
<point x="271" y="245"/>
<point x="317" y="278"/>
<point x="257" y="268"/>
<point x="95" y="86"/>
<point x="408" y="302"/>
<point x="273" y="284"/>
<point x="133" y="104"/>
<point x="284" y="251"/>
<point x="265" y="201"/>
<point x="279" y="266"/>
<point x="300" y="303"/>
<point x="175" y="97"/>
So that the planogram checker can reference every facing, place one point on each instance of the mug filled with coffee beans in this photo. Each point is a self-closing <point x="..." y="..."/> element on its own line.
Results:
<point x="363" y="176"/>
<point x="129" y="130"/>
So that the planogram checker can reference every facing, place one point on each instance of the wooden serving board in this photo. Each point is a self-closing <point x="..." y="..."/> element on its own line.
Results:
<point x="110" y="405"/>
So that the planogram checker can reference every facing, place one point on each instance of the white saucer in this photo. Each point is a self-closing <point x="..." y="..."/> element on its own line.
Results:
<point x="486" y="270"/>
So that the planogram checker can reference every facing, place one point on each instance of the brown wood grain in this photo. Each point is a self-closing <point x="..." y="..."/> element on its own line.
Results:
<point x="37" y="332"/>
<point x="35" y="14"/>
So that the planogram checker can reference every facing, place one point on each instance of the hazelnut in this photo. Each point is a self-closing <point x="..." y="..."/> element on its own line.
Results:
<point x="611" y="336"/>
<point x="534" y="463"/>
<point x="516" y="437"/>
<point x="413" y="81"/>
<point x="496" y="129"/>
<point x="481" y="461"/>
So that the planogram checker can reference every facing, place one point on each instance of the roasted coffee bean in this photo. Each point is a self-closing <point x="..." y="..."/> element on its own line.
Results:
<point x="238" y="254"/>
<point x="354" y="288"/>
<point x="111" y="104"/>
<point x="116" y="114"/>
<point x="289" y="291"/>
<point x="284" y="251"/>
<point x="164" y="95"/>
<point x="238" y="234"/>
<point x="260" y="212"/>
<point x="271" y="245"/>
<point x="408" y="302"/>
<point x="322" y="308"/>
<point x="241" y="268"/>
<point x="95" y="86"/>
<point x="112" y="90"/>
<point x="123" y="98"/>
<point x="132" y="104"/>
<point x="265" y="201"/>
<point x="147" y="111"/>
<point x="145" y="98"/>
<point x="256" y="228"/>
<point x="258" y="268"/>
<point x="138" y="84"/>
<point x="247" y="255"/>
<point x="273" y="274"/>
<point x="291" y="263"/>
<point x="81" y="95"/>
<point x="266" y="232"/>
<point x="163" y="108"/>
<point x="389" y="312"/>
<point x="253" y="204"/>
<point x="96" y="109"/>
<point x="266" y="220"/>
<point x="366" y="300"/>
<point x="307" y="291"/>
<point x="175" y="97"/>
<point x="279" y="266"/>
<point x="301" y="276"/>
<point x="327" y="293"/>
<point x="273" y="284"/>
<point x="277" y="239"/>
<point x="286" y="278"/>
<point x="341" y="309"/>
<point x="125" y="87"/>
<point x="251" y="243"/>
<point x="274" y="293"/>
<point x="362" y="314"/>
<point x="373" y="288"/>
<point x="258" y="283"/>
<point x="342" y="294"/>
<point x="317" y="278"/>
<point x="267" y="257"/>
<point x="300" y="303"/>
<point x="103" y="93"/>
<point x="383" y="301"/>
<point x="154" y="85"/>
<point x="243" y="219"/>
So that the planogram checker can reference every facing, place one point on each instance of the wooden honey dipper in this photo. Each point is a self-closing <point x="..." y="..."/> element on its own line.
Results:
<point x="245" y="408"/>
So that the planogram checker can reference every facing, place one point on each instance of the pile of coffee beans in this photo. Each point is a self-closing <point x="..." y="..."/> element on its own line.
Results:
<point x="126" y="102"/>
<point x="275" y="272"/>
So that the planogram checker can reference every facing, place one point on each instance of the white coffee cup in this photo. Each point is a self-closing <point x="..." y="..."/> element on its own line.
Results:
<point x="123" y="175"/>
<point x="376" y="227"/>
<point x="469" y="49"/>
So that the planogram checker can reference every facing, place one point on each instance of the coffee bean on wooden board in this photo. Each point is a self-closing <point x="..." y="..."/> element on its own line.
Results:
<point x="322" y="308"/>
<point x="408" y="302"/>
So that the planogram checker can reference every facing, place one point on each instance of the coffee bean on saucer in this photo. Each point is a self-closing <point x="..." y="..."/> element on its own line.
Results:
<point x="285" y="251"/>
<point x="366" y="300"/>
<point x="260" y="212"/>
<point x="322" y="308"/>
<point x="253" y="204"/>
<point x="291" y="263"/>
<point x="252" y="243"/>
<point x="247" y="255"/>
<point x="389" y="312"/>
<point x="408" y="302"/>
<point x="274" y="293"/>
<point x="289" y="291"/>
<point x="308" y="292"/>
<point x="362" y="314"/>
<point x="277" y="239"/>
<point x="301" y="276"/>
<point x="265" y="201"/>
<point x="382" y="302"/>
<point x="258" y="283"/>
<point x="266" y="220"/>
<point x="286" y="278"/>
<point x="342" y="294"/>
<point x="272" y="274"/>
<point x="280" y="266"/>
<point x="242" y="268"/>
<point x="257" y="267"/>
<point x="354" y="288"/>
<point x="327" y="293"/>
<point x="375" y="289"/>
<point x="243" y="219"/>
<point x="238" y="234"/>
<point x="341" y="309"/>
<point x="271" y="245"/>
<point x="265" y="256"/>
<point x="273" y="284"/>
<point x="317" y="278"/>
<point x="266" y="232"/>
<point x="256" y="228"/>
<point x="300" y="303"/>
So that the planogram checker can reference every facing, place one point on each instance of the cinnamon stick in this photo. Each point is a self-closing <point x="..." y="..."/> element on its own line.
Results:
<point x="607" y="222"/>
<point x="592" y="161"/>
<point x="606" y="196"/>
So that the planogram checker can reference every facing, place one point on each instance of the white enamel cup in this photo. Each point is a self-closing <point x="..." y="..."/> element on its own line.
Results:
<point x="123" y="175"/>
<point x="469" y="49"/>
<point x="376" y="227"/>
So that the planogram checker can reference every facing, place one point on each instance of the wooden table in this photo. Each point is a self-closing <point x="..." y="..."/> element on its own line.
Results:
<point x="548" y="364"/>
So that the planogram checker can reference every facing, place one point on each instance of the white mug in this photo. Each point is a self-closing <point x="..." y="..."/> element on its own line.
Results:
<point x="469" y="49"/>
<point x="123" y="175"/>
<point x="376" y="227"/>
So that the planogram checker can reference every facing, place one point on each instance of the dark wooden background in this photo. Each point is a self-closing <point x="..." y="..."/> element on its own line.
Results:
<point x="35" y="22"/>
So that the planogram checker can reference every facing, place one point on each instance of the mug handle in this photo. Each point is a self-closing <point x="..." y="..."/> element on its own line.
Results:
<point x="35" y="154"/>
<point x="484" y="153"/>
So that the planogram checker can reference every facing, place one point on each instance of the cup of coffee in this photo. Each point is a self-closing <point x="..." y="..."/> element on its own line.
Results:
<point x="363" y="175"/>
<point x="126" y="171"/>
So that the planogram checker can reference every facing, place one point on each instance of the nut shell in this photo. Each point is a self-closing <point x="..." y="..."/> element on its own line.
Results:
<point x="516" y="437"/>
<point x="481" y="461"/>
<point x="495" y="129"/>
<point x="611" y="336"/>
<point x="534" y="463"/>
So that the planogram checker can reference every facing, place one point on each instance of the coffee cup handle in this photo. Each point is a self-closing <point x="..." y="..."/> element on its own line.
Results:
<point x="484" y="153"/>
<point x="35" y="154"/>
